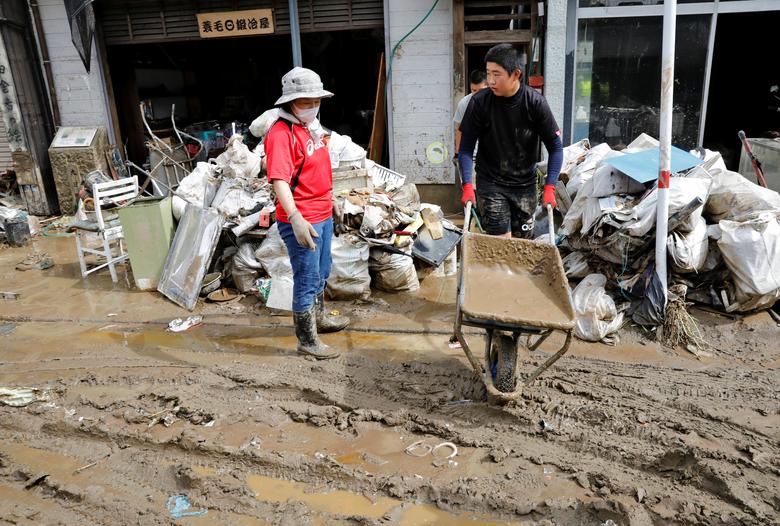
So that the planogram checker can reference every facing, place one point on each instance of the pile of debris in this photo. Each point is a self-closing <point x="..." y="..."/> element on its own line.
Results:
<point x="227" y="228"/>
<point x="723" y="238"/>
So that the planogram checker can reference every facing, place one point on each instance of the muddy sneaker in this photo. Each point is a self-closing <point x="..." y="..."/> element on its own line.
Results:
<point x="328" y="322"/>
<point x="308" y="341"/>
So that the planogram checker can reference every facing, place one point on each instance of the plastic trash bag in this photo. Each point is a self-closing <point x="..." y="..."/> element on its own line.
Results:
<point x="642" y="142"/>
<point x="349" y="278"/>
<point x="260" y="126"/>
<point x="650" y="307"/>
<point x="733" y="197"/>
<point x="751" y="251"/>
<point x="407" y="196"/>
<point x="584" y="171"/>
<point x="272" y="254"/>
<point x="392" y="272"/>
<point x="713" y="161"/>
<point x="246" y="267"/>
<point x="343" y="150"/>
<point x="238" y="160"/>
<point x="281" y="294"/>
<point x="682" y="190"/>
<point x="688" y="251"/>
<point x="571" y="154"/>
<point x="193" y="188"/>
<point x="576" y="265"/>
<point x="597" y="316"/>
<point x="608" y="180"/>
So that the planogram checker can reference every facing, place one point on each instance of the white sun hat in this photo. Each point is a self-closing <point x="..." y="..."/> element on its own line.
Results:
<point x="300" y="83"/>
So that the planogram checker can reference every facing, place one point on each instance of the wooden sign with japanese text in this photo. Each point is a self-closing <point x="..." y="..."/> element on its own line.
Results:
<point x="236" y="23"/>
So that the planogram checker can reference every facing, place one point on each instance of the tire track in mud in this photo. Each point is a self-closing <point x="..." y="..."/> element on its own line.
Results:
<point x="610" y="431"/>
<point x="616" y="429"/>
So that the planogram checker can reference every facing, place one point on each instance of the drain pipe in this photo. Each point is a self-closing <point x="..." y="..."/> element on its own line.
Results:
<point x="295" y="33"/>
<point x="389" y="91"/>
<point x="43" y="50"/>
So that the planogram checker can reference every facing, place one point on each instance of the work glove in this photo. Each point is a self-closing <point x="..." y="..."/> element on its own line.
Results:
<point x="338" y="217"/>
<point x="549" y="196"/>
<point x="468" y="194"/>
<point x="304" y="232"/>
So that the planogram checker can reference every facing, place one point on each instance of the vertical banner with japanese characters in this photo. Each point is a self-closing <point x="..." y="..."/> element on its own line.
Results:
<point x="9" y="104"/>
<point x="236" y="23"/>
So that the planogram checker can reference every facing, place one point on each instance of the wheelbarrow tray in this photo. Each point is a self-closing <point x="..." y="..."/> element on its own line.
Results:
<point x="514" y="283"/>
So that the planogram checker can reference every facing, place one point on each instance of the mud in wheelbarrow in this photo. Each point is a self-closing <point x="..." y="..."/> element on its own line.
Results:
<point x="513" y="289"/>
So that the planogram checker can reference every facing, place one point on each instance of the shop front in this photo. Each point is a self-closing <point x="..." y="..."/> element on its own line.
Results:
<point x="219" y="64"/>
<point x="723" y="74"/>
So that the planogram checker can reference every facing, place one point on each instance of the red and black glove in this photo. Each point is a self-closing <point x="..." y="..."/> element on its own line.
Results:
<point x="549" y="196"/>
<point x="468" y="194"/>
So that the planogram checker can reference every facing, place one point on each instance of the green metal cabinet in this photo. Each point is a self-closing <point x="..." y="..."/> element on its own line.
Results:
<point x="148" y="230"/>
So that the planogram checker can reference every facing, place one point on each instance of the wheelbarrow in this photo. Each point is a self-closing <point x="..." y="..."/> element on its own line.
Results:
<point x="511" y="288"/>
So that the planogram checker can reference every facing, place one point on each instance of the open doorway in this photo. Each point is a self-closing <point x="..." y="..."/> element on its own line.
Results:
<point x="743" y="73"/>
<point x="215" y="83"/>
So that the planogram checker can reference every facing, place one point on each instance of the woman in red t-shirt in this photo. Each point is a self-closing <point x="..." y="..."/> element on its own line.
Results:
<point x="299" y="168"/>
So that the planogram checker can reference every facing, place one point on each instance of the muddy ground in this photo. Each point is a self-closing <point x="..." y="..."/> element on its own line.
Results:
<point x="229" y="416"/>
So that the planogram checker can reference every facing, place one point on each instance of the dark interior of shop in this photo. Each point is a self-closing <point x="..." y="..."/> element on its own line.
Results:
<point x="743" y="73"/>
<point x="217" y="82"/>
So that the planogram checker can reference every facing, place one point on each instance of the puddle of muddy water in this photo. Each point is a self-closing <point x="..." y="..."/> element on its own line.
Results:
<point x="159" y="344"/>
<point x="347" y="503"/>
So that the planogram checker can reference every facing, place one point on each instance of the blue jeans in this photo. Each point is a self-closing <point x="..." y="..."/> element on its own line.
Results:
<point x="311" y="268"/>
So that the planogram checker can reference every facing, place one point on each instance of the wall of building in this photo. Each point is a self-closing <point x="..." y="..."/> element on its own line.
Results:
<point x="80" y="94"/>
<point x="421" y="80"/>
<point x="555" y="57"/>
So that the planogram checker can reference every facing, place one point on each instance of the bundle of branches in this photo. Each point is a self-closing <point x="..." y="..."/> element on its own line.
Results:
<point x="680" y="328"/>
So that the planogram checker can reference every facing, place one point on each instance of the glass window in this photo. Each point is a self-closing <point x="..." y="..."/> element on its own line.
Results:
<point x="623" y="3"/>
<point x="618" y="79"/>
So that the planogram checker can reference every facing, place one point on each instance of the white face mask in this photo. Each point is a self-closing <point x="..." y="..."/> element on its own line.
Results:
<point x="306" y="116"/>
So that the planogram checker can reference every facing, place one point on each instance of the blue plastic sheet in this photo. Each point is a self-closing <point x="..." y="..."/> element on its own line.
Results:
<point x="178" y="506"/>
<point x="643" y="166"/>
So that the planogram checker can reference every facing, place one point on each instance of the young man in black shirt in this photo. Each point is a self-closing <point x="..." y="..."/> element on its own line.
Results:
<point x="508" y="119"/>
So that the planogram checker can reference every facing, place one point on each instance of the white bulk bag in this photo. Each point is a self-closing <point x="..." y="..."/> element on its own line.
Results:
<point x="688" y="251"/>
<point x="349" y="278"/>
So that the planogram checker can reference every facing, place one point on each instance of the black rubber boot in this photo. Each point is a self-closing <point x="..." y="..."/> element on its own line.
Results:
<point x="328" y="322"/>
<point x="308" y="341"/>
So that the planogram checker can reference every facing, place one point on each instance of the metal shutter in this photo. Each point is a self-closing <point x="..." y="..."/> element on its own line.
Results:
<point x="5" y="148"/>
<point x="143" y="21"/>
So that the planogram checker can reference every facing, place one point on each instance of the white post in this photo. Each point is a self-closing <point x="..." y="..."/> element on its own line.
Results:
<point x="665" y="138"/>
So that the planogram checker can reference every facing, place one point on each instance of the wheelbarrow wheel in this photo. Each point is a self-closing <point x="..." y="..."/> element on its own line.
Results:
<point x="505" y="352"/>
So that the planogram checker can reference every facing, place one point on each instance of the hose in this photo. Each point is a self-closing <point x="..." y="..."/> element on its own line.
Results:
<point x="392" y="53"/>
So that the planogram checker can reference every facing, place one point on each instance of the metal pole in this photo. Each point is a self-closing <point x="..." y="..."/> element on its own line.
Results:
<point x="389" y="92"/>
<point x="707" y="74"/>
<point x="665" y="139"/>
<point x="295" y="33"/>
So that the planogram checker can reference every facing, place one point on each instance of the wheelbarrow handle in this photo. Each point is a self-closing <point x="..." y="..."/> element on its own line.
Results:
<point x="551" y="224"/>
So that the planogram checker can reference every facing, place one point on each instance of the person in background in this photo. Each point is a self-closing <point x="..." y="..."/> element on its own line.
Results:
<point x="508" y="119"/>
<point x="477" y="82"/>
<point x="300" y="171"/>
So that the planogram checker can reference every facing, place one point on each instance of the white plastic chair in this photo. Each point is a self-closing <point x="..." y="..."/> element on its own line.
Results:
<point x="109" y="231"/>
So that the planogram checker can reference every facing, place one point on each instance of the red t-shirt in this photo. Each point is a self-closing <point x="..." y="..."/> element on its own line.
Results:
<point x="286" y="151"/>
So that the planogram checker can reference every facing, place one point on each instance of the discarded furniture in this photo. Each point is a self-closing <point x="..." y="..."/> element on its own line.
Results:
<point x="106" y="226"/>
<point x="75" y="152"/>
<point x="148" y="231"/>
<point x="169" y="164"/>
